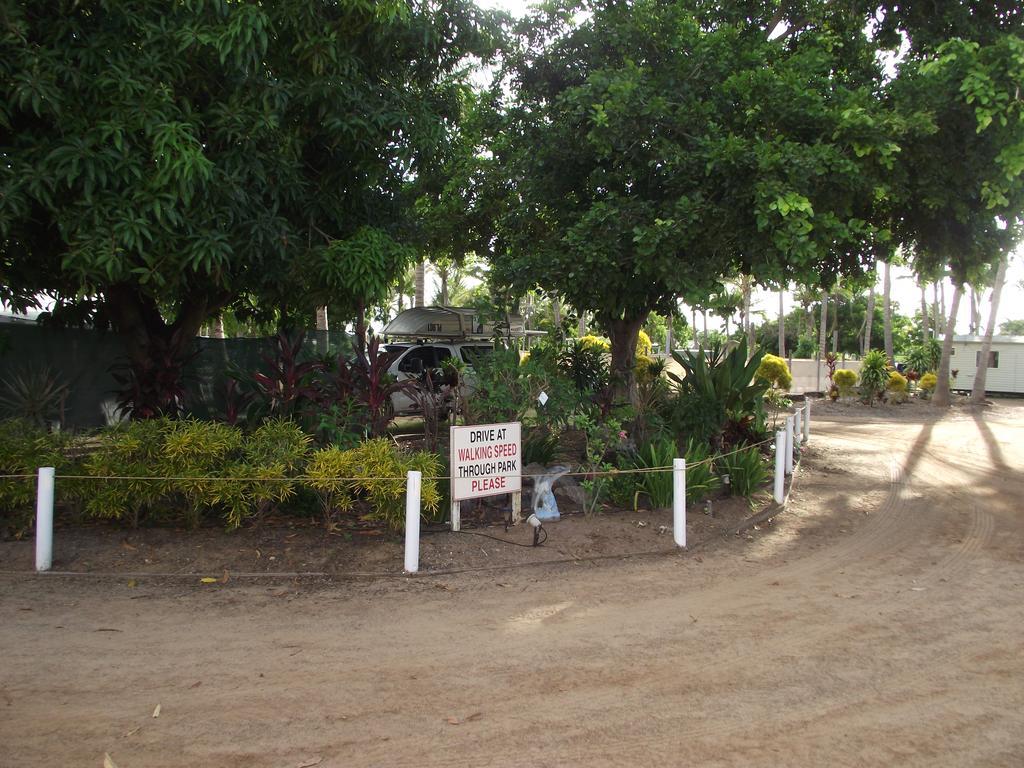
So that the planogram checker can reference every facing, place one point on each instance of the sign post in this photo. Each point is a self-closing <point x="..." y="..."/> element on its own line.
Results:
<point x="486" y="460"/>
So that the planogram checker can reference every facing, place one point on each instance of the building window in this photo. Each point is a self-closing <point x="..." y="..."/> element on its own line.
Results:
<point x="993" y="359"/>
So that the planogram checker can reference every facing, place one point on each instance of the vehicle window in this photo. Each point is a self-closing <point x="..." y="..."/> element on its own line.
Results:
<point x="432" y="358"/>
<point x="471" y="354"/>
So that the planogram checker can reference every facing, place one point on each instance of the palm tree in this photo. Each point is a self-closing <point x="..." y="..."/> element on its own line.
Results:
<point x="421" y="284"/>
<point x="887" y="309"/>
<point x="869" y="316"/>
<point x="925" y="330"/>
<point x="726" y="304"/>
<point x="978" y="390"/>
<point x="941" y="398"/>
<point x="782" y="323"/>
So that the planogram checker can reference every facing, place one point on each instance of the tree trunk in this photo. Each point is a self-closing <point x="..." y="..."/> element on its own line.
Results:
<point x="750" y="336"/>
<point x="747" y="285"/>
<point x="623" y="333"/>
<point x="925" y="330"/>
<point x="782" y="324"/>
<point x="704" y="319"/>
<point x="582" y="328"/>
<point x="668" y="333"/>
<point x="218" y="327"/>
<point x="556" y="313"/>
<point x="835" y="326"/>
<point x="887" y="314"/>
<point x="975" y="313"/>
<point x="935" y="307"/>
<point x="869" y="319"/>
<point x="941" y="398"/>
<point x="978" y="390"/>
<point x="823" y="326"/>
<point x="321" y="319"/>
<point x="157" y="351"/>
<point x="421" y="284"/>
<point x="444" y="287"/>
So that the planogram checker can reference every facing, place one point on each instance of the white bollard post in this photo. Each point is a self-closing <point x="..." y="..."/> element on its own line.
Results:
<point x="44" y="519"/>
<point x="798" y="425"/>
<point x="412" y="521"/>
<point x="679" y="502"/>
<point x="780" y="466"/>
<point x="789" y="445"/>
<point x="807" y="421"/>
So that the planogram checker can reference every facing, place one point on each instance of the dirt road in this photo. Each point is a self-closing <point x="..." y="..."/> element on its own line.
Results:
<point x="878" y="622"/>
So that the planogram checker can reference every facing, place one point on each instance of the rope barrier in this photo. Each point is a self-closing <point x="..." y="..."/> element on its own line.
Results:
<point x="309" y="479"/>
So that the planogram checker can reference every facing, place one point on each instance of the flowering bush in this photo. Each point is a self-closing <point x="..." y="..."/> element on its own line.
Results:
<point x="928" y="383"/>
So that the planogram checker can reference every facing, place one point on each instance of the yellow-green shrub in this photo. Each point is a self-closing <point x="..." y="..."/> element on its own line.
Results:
<point x="24" y="448"/>
<point x="129" y="450"/>
<point x="597" y="342"/>
<point x="928" y="382"/>
<point x="643" y="345"/>
<point x="845" y="379"/>
<point x="774" y="370"/>
<point x="277" y="449"/>
<point x="897" y="387"/>
<point x="646" y="368"/>
<point x="374" y="471"/>
<point x="202" y="467"/>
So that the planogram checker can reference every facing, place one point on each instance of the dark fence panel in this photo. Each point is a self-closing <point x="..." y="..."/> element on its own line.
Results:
<point x="86" y="359"/>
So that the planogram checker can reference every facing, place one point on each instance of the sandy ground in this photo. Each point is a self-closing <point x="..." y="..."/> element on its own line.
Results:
<point x="877" y="622"/>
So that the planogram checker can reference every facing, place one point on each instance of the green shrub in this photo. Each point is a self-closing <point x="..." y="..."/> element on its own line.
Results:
<point x="503" y="389"/>
<point x="375" y="472"/>
<point x="36" y="395"/>
<point x="806" y="347"/>
<point x="846" y="380"/>
<point x="874" y="375"/>
<point x="701" y="478"/>
<point x="540" y="445"/>
<point x="657" y="486"/>
<point x="586" y="365"/>
<point x="747" y="471"/>
<point x="721" y="380"/>
<point x="925" y="357"/>
<point x="24" y="448"/>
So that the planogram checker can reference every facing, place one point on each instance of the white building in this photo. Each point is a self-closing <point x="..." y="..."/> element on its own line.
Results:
<point x="1005" y="363"/>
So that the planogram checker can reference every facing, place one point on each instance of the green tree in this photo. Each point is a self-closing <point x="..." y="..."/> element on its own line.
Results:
<point x="960" y="190"/>
<point x="1012" y="328"/>
<point x="647" y="149"/>
<point x="163" y="161"/>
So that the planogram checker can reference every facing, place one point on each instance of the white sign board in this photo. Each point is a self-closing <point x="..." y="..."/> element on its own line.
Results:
<point x="486" y="460"/>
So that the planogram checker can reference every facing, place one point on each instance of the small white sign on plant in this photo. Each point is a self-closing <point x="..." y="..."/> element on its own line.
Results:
<point x="486" y="460"/>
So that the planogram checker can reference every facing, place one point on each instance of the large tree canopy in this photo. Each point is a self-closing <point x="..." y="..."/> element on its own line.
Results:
<point x="161" y="160"/>
<point x="959" y="186"/>
<point x="643" y="150"/>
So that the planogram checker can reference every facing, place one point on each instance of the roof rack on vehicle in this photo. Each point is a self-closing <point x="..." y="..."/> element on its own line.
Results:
<point x="454" y="323"/>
